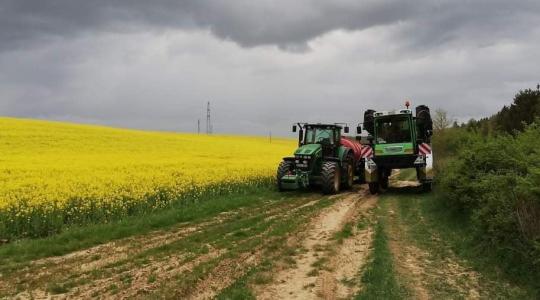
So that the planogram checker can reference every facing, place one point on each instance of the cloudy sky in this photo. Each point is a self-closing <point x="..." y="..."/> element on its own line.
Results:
<point x="261" y="63"/>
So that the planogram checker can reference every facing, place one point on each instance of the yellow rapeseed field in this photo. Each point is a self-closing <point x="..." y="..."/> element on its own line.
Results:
<point x="52" y="173"/>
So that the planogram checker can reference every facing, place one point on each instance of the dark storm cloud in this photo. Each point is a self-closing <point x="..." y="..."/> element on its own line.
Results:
<point x="288" y="24"/>
<point x="263" y="64"/>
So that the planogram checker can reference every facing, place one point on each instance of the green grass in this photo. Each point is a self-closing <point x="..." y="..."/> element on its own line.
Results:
<point x="344" y="233"/>
<point x="275" y="250"/>
<point x="457" y="234"/>
<point x="77" y="238"/>
<point x="442" y="233"/>
<point x="271" y="233"/>
<point x="379" y="279"/>
<point x="240" y="289"/>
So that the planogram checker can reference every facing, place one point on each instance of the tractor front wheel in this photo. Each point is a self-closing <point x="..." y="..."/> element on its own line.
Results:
<point x="330" y="177"/>
<point x="384" y="179"/>
<point x="284" y="168"/>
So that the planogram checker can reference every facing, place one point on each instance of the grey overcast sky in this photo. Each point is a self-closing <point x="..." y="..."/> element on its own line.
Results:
<point x="262" y="64"/>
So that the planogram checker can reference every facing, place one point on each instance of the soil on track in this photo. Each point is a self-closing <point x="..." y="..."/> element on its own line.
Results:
<point x="131" y="267"/>
<point x="318" y="247"/>
<point x="432" y="270"/>
<point x="328" y="266"/>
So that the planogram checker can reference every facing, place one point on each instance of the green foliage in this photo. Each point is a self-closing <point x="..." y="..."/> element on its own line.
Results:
<point x="493" y="181"/>
<point x="524" y="110"/>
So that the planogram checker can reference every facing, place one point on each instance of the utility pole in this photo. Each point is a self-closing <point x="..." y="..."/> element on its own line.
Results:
<point x="198" y="126"/>
<point x="208" y="120"/>
<point x="270" y="135"/>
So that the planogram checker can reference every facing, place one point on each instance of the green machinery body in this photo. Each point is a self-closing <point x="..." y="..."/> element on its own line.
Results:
<point x="320" y="159"/>
<point x="398" y="140"/>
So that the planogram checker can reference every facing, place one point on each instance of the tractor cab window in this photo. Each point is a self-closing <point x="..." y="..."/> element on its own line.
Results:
<point x="393" y="130"/>
<point x="319" y="136"/>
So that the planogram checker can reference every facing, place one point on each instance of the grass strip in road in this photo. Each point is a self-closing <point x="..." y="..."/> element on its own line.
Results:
<point x="77" y="238"/>
<point x="379" y="280"/>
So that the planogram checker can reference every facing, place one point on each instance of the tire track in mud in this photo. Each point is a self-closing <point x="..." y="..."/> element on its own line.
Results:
<point x="339" y="281"/>
<point x="175" y="266"/>
<point x="81" y="264"/>
<point x="230" y="268"/>
<point x="341" y="262"/>
<point x="426" y="275"/>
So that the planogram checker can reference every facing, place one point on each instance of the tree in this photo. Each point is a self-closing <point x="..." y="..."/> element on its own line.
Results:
<point x="441" y="120"/>
<point x="524" y="110"/>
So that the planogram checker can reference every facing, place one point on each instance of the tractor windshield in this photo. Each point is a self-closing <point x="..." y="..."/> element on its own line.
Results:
<point x="319" y="136"/>
<point x="393" y="130"/>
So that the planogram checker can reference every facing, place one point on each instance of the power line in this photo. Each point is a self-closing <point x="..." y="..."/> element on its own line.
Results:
<point x="208" y="120"/>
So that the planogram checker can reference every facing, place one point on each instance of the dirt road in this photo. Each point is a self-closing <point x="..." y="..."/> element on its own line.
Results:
<point x="300" y="246"/>
<point x="200" y="260"/>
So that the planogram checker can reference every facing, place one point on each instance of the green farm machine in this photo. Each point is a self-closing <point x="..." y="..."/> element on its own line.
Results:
<point x="398" y="140"/>
<point x="323" y="158"/>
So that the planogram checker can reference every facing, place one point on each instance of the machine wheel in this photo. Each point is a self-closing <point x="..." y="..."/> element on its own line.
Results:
<point x="373" y="187"/>
<point x="384" y="175"/>
<point x="330" y="177"/>
<point x="384" y="182"/>
<point x="348" y="172"/>
<point x="284" y="167"/>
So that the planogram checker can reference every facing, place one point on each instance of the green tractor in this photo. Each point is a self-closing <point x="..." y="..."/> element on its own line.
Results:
<point x="323" y="158"/>
<point x="398" y="140"/>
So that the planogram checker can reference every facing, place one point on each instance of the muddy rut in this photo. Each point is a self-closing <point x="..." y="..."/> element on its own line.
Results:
<point x="199" y="261"/>
<point x="139" y="265"/>
<point x="428" y="276"/>
<point x="328" y="265"/>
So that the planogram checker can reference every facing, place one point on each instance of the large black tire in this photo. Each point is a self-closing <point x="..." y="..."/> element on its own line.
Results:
<point x="384" y="182"/>
<point x="348" y="172"/>
<point x="284" y="167"/>
<point x="384" y="175"/>
<point x="373" y="187"/>
<point x="330" y="177"/>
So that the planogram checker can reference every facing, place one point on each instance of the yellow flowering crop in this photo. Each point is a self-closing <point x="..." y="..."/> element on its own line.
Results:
<point x="56" y="173"/>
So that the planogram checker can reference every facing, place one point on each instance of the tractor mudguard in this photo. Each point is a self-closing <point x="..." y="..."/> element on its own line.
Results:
<point x="288" y="159"/>
<point x="335" y="159"/>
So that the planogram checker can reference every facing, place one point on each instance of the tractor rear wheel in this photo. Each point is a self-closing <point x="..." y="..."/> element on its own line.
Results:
<point x="373" y="187"/>
<point x="330" y="177"/>
<point x="348" y="172"/>
<point x="284" y="168"/>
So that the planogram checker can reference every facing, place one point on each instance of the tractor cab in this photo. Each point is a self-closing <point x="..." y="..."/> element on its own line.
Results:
<point x="324" y="136"/>
<point x="393" y="129"/>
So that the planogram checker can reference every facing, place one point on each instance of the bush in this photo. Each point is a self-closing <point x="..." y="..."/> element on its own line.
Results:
<point x="495" y="182"/>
